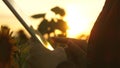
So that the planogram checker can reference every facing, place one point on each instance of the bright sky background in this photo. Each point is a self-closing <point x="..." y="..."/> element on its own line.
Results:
<point x="80" y="14"/>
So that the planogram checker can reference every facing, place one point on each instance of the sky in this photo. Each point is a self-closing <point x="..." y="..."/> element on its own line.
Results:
<point x="80" y="14"/>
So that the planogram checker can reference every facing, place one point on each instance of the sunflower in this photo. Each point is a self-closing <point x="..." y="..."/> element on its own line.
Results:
<point x="7" y="47"/>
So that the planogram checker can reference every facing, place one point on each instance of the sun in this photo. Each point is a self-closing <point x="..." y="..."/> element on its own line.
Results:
<point x="77" y="22"/>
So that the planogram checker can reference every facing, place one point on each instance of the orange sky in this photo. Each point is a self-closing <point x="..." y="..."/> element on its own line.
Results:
<point x="82" y="12"/>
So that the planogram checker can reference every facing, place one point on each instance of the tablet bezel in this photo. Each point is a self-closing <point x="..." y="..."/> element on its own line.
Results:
<point x="15" y="9"/>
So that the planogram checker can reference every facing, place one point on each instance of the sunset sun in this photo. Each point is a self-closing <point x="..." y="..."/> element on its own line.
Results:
<point x="78" y="23"/>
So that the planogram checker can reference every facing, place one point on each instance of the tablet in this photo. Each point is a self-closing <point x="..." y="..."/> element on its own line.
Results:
<point x="19" y="14"/>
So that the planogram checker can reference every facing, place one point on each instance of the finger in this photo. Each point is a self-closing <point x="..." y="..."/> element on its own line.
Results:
<point x="70" y="42"/>
<point x="80" y="43"/>
<point x="60" y="40"/>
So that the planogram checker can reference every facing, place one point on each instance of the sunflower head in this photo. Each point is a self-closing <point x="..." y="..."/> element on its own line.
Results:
<point x="6" y="45"/>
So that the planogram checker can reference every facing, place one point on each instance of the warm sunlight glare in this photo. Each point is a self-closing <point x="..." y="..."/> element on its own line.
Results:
<point x="77" y="22"/>
<point x="81" y="17"/>
<point x="45" y="44"/>
<point x="80" y="14"/>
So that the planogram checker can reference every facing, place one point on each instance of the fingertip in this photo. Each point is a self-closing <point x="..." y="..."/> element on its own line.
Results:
<point x="60" y="39"/>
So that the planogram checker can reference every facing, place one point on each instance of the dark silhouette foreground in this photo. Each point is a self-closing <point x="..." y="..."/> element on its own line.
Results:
<point x="104" y="42"/>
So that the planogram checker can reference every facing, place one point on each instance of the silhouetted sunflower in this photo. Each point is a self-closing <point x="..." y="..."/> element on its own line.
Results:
<point x="58" y="10"/>
<point x="7" y="47"/>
